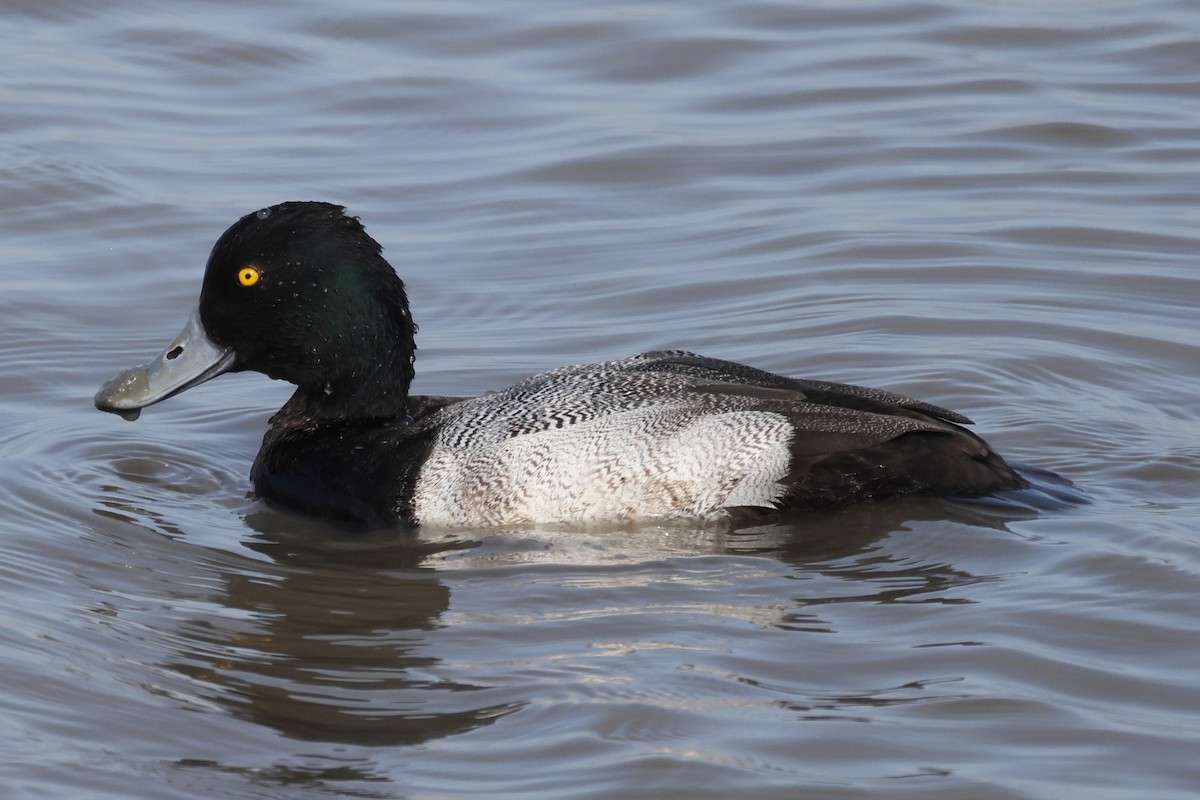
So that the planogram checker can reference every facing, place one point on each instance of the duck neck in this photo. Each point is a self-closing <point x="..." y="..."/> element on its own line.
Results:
<point x="364" y="402"/>
<point x="360" y="392"/>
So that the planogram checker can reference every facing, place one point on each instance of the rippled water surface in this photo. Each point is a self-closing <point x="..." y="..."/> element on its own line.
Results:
<point x="992" y="206"/>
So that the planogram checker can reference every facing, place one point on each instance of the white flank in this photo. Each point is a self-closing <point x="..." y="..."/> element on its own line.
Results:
<point x="668" y="459"/>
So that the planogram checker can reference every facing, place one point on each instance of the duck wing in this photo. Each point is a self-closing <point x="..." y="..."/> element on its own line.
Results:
<point x="841" y="395"/>
<point x="854" y="443"/>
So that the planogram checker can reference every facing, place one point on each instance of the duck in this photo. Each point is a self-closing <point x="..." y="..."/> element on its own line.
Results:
<point x="300" y="292"/>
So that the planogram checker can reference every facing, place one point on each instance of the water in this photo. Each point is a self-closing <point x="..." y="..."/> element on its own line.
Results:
<point x="991" y="207"/>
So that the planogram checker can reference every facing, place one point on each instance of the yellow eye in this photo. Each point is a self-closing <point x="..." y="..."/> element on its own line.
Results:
<point x="248" y="276"/>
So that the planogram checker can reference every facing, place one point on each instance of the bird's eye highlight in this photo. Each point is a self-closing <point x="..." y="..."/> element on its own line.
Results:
<point x="248" y="276"/>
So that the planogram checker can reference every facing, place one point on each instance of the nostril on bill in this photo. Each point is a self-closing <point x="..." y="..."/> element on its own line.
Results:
<point x="174" y="352"/>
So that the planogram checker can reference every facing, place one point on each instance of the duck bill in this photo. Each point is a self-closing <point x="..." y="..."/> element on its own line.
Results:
<point x="190" y="359"/>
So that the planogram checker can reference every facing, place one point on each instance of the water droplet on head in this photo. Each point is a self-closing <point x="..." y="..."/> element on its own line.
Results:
<point x="263" y="213"/>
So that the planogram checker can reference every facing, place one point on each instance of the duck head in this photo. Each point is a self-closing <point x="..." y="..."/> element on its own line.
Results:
<point x="299" y="292"/>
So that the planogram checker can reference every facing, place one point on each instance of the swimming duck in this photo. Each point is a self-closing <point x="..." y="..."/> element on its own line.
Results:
<point x="301" y="293"/>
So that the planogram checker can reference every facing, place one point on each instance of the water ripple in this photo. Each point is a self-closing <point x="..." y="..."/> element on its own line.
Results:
<point x="990" y="207"/>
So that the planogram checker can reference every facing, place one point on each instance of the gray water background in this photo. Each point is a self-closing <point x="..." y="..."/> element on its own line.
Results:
<point x="992" y="206"/>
